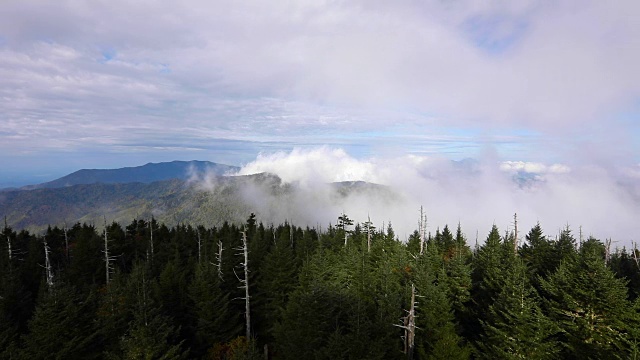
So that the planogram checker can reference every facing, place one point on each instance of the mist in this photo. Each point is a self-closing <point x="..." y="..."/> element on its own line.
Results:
<point x="476" y="193"/>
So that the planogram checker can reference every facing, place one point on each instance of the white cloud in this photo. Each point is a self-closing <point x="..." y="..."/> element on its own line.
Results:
<point x="533" y="167"/>
<point x="564" y="63"/>
<point x="476" y="197"/>
<point x="168" y="78"/>
<point x="312" y="167"/>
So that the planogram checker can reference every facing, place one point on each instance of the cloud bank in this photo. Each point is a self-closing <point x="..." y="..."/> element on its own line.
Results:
<point x="160" y="80"/>
<point x="476" y="194"/>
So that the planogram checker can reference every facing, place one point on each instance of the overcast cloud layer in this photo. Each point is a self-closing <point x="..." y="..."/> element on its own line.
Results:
<point x="124" y="81"/>
<point x="99" y="84"/>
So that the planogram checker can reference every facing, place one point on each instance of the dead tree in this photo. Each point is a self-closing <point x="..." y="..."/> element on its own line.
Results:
<point x="476" y="247"/>
<point x="6" y="234"/>
<point x="635" y="255"/>
<point x="422" y="229"/>
<point x="369" y="227"/>
<point x="291" y="235"/>
<point x="580" y="235"/>
<point x="66" y="241"/>
<point x="107" y="258"/>
<point x="47" y="263"/>
<point x="151" y="238"/>
<point x="219" y="259"/>
<point x="244" y="251"/>
<point x="409" y="326"/>
<point x="199" y="246"/>
<point x="607" y="255"/>
<point x="515" y="233"/>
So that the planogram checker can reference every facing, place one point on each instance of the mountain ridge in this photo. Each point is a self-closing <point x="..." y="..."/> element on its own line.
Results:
<point x="147" y="173"/>
<point x="175" y="201"/>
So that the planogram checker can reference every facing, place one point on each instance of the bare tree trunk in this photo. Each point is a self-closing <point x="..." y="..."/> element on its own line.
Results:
<point x="199" y="247"/>
<point x="409" y="326"/>
<point x="244" y="250"/>
<point x="422" y="226"/>
<point x="580" y="235"/>
<point x="219" y="259"/>
<point x="151" y="238"/>
<point x="47" y="263"/>
<point x="106" y="252"/>
<point x="6" y="234"/>
<point x="66" y="242"/>
<point x="246" y="284"/>
<point x="107" y="258"/>
<point x="368" y="234"/>
<point x="515" y="240"/>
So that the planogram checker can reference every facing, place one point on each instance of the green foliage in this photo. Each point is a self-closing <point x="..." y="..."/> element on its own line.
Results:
<point x="213" y="320"/>
<point x="436" y="337"/>
<point x="590" y="306"/>
<point x="62" y="326"/>
<point x="314" y="297"/>
<point x="516" y="327"/>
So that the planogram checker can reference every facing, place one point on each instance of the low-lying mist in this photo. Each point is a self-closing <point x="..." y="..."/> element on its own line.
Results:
<point x="476" y="193"/>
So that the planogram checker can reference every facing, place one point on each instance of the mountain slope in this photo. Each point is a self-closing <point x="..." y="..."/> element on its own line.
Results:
<point x="210" y="203"/>
<point x="148" y="173"/>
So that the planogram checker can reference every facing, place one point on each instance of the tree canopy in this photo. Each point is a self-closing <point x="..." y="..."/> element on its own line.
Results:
<point x="346" y="292"/>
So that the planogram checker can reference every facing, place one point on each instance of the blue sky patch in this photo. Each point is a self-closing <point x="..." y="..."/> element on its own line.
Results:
<point x="108" y="55"/>
<point x="495" y="33"/>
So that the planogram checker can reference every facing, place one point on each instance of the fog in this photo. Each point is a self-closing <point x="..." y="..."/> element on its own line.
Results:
<point x="475" y="193"/>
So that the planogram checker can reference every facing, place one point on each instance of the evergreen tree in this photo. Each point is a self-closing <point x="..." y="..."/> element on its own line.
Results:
<point x="538" y="255"/>
<point x="278" y="278"/>
<point x="213" y="319"/>
<point x="436" y="337"/>
<point x="457" y="276"/>
<point x="590" y="306"/>
<point x="62" y="326"/>
<point x="516" y="327"/>
<point x="150" y="334"/>
<point x="487" y="270"/>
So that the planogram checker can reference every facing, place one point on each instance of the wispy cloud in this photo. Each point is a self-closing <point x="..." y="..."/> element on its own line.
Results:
<point x="372" y="77"/>
<point x="476" y="194"/>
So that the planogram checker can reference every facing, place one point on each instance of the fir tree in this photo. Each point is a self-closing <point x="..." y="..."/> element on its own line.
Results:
<point x="590" y="306"/>
<point x="516" y="327"/>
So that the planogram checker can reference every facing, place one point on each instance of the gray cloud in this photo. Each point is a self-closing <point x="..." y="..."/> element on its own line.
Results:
<point x="540" y="81"/>
<point x="476" y="194"/>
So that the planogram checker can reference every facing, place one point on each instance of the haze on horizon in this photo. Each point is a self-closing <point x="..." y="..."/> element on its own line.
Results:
<point x="536" y="85"/>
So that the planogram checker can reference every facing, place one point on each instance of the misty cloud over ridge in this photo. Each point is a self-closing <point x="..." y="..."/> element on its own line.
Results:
<point x="476" y="193"/>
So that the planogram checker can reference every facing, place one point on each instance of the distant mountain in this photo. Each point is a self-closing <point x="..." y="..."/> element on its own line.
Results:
<point x="151" y="172"/>
<point x="208" y="202"/>
<point x="346" y="188"/>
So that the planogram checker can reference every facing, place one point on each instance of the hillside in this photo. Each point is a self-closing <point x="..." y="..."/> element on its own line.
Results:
<point x="220" y="199"/>
<point x="148" y="173"/>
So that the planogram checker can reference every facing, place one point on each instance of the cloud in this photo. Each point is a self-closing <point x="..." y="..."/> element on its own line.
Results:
<point x="477" y="195"/>
<point x="535" y="65"/>
<point x="533" y="167"/>
<point x="323" y="165"/>
<point x="544" y="83"/>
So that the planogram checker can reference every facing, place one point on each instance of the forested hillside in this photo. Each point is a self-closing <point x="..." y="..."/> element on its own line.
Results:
<point x="209" y="202"/>
<point x="148" y="291"/>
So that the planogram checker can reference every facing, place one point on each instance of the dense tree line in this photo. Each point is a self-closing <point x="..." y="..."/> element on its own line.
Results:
<point x="146" y="291"/>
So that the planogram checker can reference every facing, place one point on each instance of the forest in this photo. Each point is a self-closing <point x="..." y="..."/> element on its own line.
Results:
<point x="349" y="291"/>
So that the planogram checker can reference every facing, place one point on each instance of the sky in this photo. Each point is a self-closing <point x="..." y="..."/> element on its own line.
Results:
<point x="523" y="85"/>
